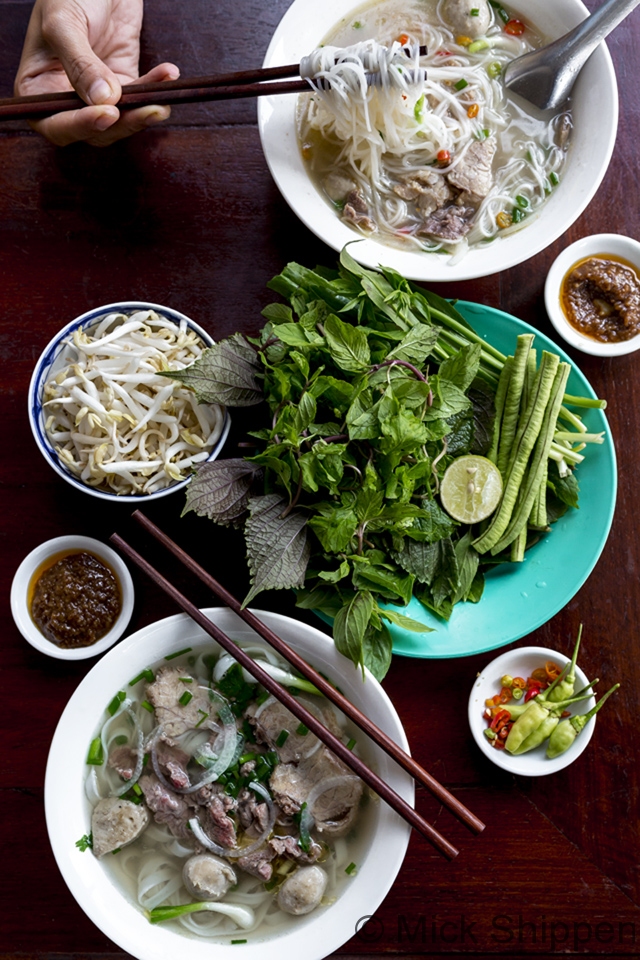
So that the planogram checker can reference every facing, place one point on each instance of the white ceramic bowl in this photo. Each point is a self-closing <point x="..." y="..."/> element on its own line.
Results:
<point x="521" y="663"/>
<point x="599" y="244"/>
<point x="68" y="811"/>
<point x="55" y="357"/>
<point x="20" y="593"/>
<point x="595" y="113"/>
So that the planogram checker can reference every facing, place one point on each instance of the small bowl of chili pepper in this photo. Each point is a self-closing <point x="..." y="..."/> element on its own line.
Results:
<point x="503" y="690"/>
<point x="72" y="597"/>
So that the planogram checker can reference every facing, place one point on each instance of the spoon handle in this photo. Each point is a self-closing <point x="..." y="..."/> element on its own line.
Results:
<point x="580" y="42"/>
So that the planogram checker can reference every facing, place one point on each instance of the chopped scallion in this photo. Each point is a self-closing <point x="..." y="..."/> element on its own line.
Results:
<point x="115" y="703"/>
<point x="461" y="84"/>
<point x="95" y="757"/>
<point x="262" y="697"/>
<point x="474" y="12"/>
<point x="350" y="869"/>
<point x="178" y="653"/>
<point x="494" y="69"/>
<point x="120" y="740"/>
<point x="186" y="679"/>
<point x="237" y="941"/>
<point x="85" y="843"/>
<point x="185" y="698"/>
<point x="302" y="730"/>
<point x="554" y="179"/>
<point x="521" y="201"/>
<point x="203" y="717"/>
<point x="282" y="738"/>
<point x="145" y="675"/>
<point x="351" y="744"/>
<point x="146" y="705"/>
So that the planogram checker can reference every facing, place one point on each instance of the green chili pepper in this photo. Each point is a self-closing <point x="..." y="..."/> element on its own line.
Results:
<point x="539" y="735"/>
<point x="537" y="711"/>
<point x="566" y="687"/>
<point x="567" y="730"/>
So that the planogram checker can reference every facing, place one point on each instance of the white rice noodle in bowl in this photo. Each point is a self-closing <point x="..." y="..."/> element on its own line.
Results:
<point x="554" y="179"/>
<point x="376" y="842"/>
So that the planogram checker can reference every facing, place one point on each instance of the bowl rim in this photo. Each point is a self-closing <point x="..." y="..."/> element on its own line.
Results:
<point x="615" y="244"/>
<point x="22" y="579"/>
<point x="67" y="809"/>
<point x="283" y="158"/>
<point x="46" y="360"/>
<point x="534" y="764"/>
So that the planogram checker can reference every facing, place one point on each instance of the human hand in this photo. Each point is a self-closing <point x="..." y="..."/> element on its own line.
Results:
<point x="92" y="46"/>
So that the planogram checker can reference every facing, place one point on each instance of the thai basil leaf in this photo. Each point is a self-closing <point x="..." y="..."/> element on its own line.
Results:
<point x="377" y="649"/>
<point x="407" y="623"/>
<point x="350" y="626"/>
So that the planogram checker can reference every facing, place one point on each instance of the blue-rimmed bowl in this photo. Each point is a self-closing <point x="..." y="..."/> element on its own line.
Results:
<point x="58" y="354"/>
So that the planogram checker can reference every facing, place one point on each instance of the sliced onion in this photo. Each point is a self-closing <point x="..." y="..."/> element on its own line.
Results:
<point x="321" y="787"/>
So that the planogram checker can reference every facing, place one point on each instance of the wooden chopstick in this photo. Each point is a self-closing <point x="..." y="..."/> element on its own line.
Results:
<point x="240" y="84"/>
<point x="384" y="791"/>
<point x="361" y="720"/>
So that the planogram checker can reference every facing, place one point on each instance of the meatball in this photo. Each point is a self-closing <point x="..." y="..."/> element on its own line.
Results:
<point x="302" y="891"/>
<point x="470" y="18"/>
<point x="115" y="823"/>
<point x="207" y="877"/>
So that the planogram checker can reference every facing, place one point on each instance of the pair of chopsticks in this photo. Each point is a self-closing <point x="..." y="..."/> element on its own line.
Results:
<point x="224" y="86"/>
<point x="297" y="709"/>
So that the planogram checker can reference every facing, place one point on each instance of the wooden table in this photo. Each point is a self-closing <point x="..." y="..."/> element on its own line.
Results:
<point x="188" y="215"/>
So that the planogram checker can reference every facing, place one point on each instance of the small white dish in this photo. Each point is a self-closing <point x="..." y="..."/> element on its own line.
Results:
<point x="68" y="811"/>
<point x="55" y="357"/>
<point x="20" y="590"/>
<point x="599" y="244"/>
<point x="521" y="663"/>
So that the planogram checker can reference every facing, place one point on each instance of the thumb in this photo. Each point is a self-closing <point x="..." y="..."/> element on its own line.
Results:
<point x="89" y="76"/>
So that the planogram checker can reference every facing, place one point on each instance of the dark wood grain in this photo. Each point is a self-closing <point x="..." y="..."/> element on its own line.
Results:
<point x="188" y="215"/>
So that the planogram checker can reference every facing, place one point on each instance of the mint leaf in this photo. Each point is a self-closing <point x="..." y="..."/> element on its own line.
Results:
<point x="348" y="345"/>
<point x="225" y="373"/>
<point x="462" y="368"/>
<point x="278" y="550"/>
<point x="220" y="490"/>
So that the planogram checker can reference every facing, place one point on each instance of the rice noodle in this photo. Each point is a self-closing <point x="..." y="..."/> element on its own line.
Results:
<point x="114" y="421"/>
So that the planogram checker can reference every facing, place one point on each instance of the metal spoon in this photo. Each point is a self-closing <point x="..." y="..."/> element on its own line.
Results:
<point x="545" y="77"/>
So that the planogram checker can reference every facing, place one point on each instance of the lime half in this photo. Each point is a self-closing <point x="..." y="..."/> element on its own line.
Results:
<point x="471" y="489"/>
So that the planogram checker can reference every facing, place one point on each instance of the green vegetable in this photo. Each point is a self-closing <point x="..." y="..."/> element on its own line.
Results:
<point x="351" y="869"/>
<point x="537" y="712"/>
<point x="569" y="728"/>
<point x="564" y="689"/>
<point x="500" y="10"/>
<point x="95" y="757"/>
<point x="178" y="653"/>
<point x="145" y="675"/>
<point x="114" y="706"/>
<point x="461" y="84"/>
<point x="85" y="842"/>
<point x="185" y="698"/>
<point x="373" y="386"/>
<point x="282" y="738"/>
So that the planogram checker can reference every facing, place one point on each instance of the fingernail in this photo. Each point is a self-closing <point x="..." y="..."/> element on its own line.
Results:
<point x="156" y="117"/>
<point x="105" y="120"/>
<point x="100" y="92"/>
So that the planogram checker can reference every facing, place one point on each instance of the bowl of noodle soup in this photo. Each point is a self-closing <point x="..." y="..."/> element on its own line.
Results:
<point x="390" y="143"/>
<point x="117" y="891"/>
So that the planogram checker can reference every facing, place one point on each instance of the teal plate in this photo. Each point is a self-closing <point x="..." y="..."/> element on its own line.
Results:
<point x="519" y="597"/>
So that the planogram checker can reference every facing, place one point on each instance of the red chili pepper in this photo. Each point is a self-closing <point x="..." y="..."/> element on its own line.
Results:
<point x="443" y="157"/>
<point x="531" y="693"/>
<point x="444" y="53"/>
<point x="503" y="732"/>
<point x="514" y="27"/>
<point x="404" y="39"/>
<point x="505" y="695"/>
<point x="498" y="743"/>
<point x="501" y="717"/>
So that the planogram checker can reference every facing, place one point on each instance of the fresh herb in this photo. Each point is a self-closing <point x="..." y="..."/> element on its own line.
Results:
<point x="237" y="941"/>
<point x="186" y="679"/>
<point x="282" y="738"/>
<point x="95" y="757"/>
<point x="235" y="689"/>
<point x="203" y="716"/>
<point x="461" y="84"/>
<point x="351" y="744"/>
<point x="178" y="653"/>
<point x="302" y="730"/>
<point x="518" y="215"/>
<point x="146" y="705"/>
<point x="494" y="69"/>
<point x="554" y="179"/>
<point x="500" y="10"/>
<point x="145" y="675"/>
<point x="262" y="697"/>
<point x="373" y="387"/>
<point x="351" y="869"/>
<point x="85" y="842"/>
<point x="185" y="698"/>
<point x="121" y="739"/>
<point x="474" y="12"/>
<point x="304" y="840"/>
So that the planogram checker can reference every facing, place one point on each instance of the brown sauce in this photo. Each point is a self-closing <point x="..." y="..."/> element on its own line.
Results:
<point x="74" y="599"/>
<point x="600" y="297"/>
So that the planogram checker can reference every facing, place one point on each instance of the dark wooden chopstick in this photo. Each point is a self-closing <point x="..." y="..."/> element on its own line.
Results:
<point x="240" y="84"/>
<point x="384" y="791"/>
<point x="378" y="736"/>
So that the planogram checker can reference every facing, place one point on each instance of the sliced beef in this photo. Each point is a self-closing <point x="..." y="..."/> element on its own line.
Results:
<point x="449" y="223"/>
<point x="173" y="763"/>
<point x="258" y="863"/>
<point x="123" y="761"/>
<point x="115" y="823"/>
<point x="217" y="825"/>
<point x="164" y="694"/>
<point x="356" y="211"/>
<point x="429" y="190"/>
<point x="166" y="806"/>
<point x="336" y="808"/>
<point x="473" y="174"/>
<point x="253" y="815"/>
<point x="289" y="848"/>
<point x="268" y="726"/>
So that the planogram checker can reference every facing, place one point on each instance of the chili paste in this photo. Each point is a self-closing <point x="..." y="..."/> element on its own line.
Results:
<point x="76" y="600"/>
<point x="600" y="298"/>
